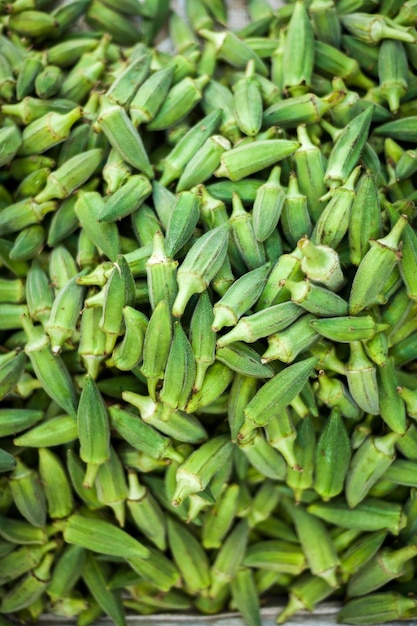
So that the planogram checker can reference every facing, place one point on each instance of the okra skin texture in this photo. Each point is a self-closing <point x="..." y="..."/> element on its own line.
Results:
<point x="237" y="384"/>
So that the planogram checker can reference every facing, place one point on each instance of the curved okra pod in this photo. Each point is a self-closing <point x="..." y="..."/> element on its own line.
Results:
<point x="128" y="353"/>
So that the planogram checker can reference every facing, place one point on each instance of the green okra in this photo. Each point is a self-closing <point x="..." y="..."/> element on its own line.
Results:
<point x="10" y="373"/>
<point x="67" y="178"/>
<point x="182" y="153"/>
<point x="377" y="607"/>
<point x="242" y="390"/>
<point x="21" y="532"/>
<point x="348" y="328"/>
<point x="251" y="251"/>
<point x="316" y="299"/>
<point x="203" y="163"/>
<point x="150" y="96"/>
<point x="306" y="591"/>
<point x="361" y="551"/>
<point x="194" y="474"/>
<point x="126" y="199"/>
<point x="115" y="172"/>
<point x="365" y="218"/>
<point x="218" y="377"/>
<point x="30" y="588"/>
<point x="55" y="431"/>
<point x="182" y="221"/>
<point x="64" y="315"/>
<point x="334" y="394"/>
<point x="180" y="371"/>
<point x="123" y="137"/>
<point x="316" y="542"/>
<point x="156" y="346"/>
<point x="56" y="485"/>
<point x="368" y="464"/>
<point x="248" y="102"/>
<point x="119" y="291"/>
<point x="268" y="205"/>
<point x="201" y="263"/>
<point x="281" y="434"/>
<point x="157" y="569"/>
<point x="146" y="512"/>
<point x="373" y="28"/>
<point x="49" y="369"/>
<point x="295" y="219"/>
<point x="266" y="460"/>
<point x="302" y="109"/>
<point x="370" y="515"/>
<point x="392" y="406"/>
<point x="300" y="475"/>
<point x="145" y="224"/>
<point x="245" y="596"/>
<point x="276" y="555"/>
<point x="244" y="360"/>
<point x="244" y="160"/>
<point x="333" y="222"/>
<point x="332" y="457"/>
<point x="189" y="556"/>
<point x="234" y="50"/>
<point x="298" y="60"/>
<point x="28" y="243"/>
<point x="333" y="62"/>
<point x="128" y="353"/>
<point x="93" y="430"/>
<point x="392" y="69"/>
<point x="180" y="100"/>
<point x="287" y="344"/>
<point x="377" y="263"/>
<point x="28" y="494"/>
<point x="361" y="378"/>
<point x="321" y="264"/>
<point x="202" y="338"/>
<point x="239" y="298"/>
<point x="276" y="394"/>
<point x="111" y="485"/>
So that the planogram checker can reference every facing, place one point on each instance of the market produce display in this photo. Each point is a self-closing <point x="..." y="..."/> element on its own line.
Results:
<point x="208" y="316"/>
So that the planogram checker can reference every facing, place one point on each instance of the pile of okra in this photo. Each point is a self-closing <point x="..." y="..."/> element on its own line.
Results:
<point x="208" y="309"/>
